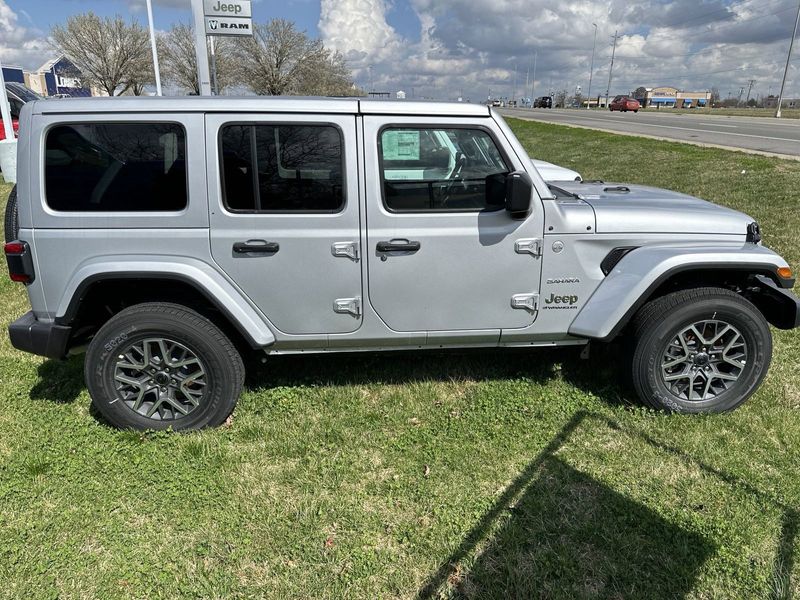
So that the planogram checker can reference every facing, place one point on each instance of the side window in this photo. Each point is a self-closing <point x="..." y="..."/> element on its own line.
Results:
<point x="282" y="168"/>
<point x="432" y="169"/>
<point x="104" y="167"/>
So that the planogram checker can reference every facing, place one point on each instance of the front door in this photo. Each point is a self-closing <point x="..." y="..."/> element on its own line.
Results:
<point x="442" y="254"/>
<point x="283" y="196"/>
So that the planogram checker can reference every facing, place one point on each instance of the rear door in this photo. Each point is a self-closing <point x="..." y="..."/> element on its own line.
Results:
<point x="283" y="196"/>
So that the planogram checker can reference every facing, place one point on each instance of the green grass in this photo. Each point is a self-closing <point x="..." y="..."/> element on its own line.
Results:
<point x="786" y="113"/>
<point x="414" y="475"/>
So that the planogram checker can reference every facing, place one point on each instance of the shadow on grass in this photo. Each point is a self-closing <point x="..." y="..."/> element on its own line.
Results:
<point x="569" y="536"/>
<point x="60" y="381"/>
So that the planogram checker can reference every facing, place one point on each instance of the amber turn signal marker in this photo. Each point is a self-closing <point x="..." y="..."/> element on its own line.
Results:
<point x="785" y="273"/>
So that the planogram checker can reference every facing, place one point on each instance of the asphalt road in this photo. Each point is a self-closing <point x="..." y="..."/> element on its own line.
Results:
<point x="759" y="134"/>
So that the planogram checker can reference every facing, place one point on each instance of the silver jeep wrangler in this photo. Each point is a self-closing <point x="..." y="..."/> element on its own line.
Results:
<point x="167" y="236"/>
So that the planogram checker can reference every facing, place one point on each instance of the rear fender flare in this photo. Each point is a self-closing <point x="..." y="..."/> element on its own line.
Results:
<point x="201" y="276"/>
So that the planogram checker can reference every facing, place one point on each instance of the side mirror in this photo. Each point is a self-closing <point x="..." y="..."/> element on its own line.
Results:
<point x="519" y="188"/>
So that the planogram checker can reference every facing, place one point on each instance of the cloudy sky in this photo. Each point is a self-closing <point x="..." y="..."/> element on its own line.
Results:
<point x="446" y="48"/>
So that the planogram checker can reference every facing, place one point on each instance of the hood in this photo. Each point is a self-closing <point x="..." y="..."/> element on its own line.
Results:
<point x="551" y="172"/>
<point x="625" y="208"/>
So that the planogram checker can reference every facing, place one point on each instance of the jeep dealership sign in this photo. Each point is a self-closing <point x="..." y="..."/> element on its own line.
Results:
<point x="228" y="17"/>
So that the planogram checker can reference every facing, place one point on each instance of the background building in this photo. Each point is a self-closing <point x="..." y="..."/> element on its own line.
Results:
<point x="58" y="77"/>
<point x="670" y="97"/>
<point x="772" y="102"/>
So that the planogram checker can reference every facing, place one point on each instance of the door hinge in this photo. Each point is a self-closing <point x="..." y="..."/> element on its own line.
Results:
<point x="525" y="301"/>
<point x="346" y="250"/>
<point x="351" y="306"/>
<point x="529" y="246"/>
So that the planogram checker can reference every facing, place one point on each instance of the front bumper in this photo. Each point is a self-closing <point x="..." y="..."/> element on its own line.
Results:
<point x="45" y="339"/>
<point x="780" y="306"/>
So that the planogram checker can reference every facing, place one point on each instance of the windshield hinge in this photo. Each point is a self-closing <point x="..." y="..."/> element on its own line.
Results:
<point x="350" y="306"/>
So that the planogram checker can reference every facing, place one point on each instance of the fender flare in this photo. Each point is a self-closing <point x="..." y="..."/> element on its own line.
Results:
<point x="633" y="280"/>
<point x="196" y="273"/>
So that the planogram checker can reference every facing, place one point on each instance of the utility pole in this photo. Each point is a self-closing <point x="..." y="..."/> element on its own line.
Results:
<point x="739" y="99"/>
<point x="611" y="68"/>
<point x="514" y="91"/>
<point x="591" y="70"/>
<point x="527" y="77"/>
<point x="749" y="89"/>
<point x="788" y="60"/>
<point x="533" y="83"/>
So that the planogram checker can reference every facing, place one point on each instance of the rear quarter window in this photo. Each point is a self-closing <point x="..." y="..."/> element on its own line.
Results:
<point x="116" y="167"/>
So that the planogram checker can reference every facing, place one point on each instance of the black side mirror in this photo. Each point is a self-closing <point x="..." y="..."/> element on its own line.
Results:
<point x="496" y="190"/>
<point x="519" y="188"/>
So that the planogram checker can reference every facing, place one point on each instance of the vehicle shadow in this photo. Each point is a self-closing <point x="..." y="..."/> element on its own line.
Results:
<point x="60" y="381"/>
<point x="556" y="532"/>
<point x="599" y="375"/>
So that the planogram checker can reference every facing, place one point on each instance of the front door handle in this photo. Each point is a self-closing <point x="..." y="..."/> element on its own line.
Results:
<point x="398" y="246"/>
<point x="255" y="247"/>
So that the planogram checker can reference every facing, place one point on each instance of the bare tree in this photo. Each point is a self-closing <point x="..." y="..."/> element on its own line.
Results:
<point x="110" y="54"/>
<point x="279" y="59"/>
<point x="179" y="61"/>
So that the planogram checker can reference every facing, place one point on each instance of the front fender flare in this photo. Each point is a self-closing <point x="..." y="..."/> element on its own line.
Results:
<point x="217" y="289"/>
<point x="629" y="285"/>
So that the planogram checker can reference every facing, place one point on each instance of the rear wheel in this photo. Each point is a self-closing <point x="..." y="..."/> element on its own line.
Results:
<point x="702" y="350"/>
<point x="160" y="366"/>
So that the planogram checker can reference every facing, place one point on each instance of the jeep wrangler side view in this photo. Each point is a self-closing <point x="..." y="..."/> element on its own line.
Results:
<point x="166" y="236"/>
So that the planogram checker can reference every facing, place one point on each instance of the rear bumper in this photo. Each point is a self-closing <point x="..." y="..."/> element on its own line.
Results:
<point x="45" y="339"/>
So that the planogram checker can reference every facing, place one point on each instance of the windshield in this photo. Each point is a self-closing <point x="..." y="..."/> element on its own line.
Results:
<point x="23" y="93"/>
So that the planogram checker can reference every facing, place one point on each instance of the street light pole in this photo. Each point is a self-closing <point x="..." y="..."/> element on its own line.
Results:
<point x="788" y="60"/>
<point x="591" y="71"/>
<point x="153" y="45"/>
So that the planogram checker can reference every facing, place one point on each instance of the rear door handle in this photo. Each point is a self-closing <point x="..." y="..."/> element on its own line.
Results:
<point x="398" y="246"/>
<point x="254" y="247"/>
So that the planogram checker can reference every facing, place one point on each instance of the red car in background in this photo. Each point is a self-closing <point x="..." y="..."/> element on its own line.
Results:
<point x="624" y="104"/>
<point x="18" y="96"/>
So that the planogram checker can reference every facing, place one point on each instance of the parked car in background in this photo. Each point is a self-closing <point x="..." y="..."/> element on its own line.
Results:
<point x="624" y="104"/>
<point x="544" y="102"/>
<point x="18" y="96"/>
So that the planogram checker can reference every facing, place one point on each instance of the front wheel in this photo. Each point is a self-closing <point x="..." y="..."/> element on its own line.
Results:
<point x="161" y="366"/>
<point x="703" y="350"/>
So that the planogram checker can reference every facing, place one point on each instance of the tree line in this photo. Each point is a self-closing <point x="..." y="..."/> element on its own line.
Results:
<point x="115" y="56"/>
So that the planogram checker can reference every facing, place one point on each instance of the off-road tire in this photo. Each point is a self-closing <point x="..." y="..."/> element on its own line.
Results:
<point x="662" y="320"/>
<point x="221" y="363"/>
<point x="12" y="217"/>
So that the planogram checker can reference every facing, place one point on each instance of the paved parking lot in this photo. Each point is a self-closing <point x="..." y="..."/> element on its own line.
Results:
<point x="759" y="134"/>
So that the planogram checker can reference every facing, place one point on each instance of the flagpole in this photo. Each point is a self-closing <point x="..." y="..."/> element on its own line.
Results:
<point x="154" y="46"/>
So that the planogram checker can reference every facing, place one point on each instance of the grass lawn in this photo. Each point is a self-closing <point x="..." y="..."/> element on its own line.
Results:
<point x="475" y="475"/>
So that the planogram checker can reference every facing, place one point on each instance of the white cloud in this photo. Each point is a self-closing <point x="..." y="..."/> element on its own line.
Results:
<point x="19" y="45"/>
<point x="474" y="46"/>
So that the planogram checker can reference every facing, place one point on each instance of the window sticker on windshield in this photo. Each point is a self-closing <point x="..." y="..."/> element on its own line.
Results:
<point x="400" y="145"/>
